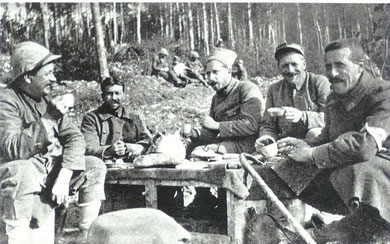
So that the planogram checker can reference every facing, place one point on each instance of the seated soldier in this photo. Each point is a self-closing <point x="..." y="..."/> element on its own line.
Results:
<point x="345" y="170"/>
<point x="195" y="68"/>
<point x="112" y="132"/>
<point x="180" y="70"/>
<point x="239" y="70"/>
<point x="42" y="153"/>
<point x="301" y="94"/>
<point x="236" y="109"/>
<point x="160" y="68"/>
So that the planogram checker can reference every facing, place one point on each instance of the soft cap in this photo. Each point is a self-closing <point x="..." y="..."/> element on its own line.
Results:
<point x="223" y="55"/>
<point x="288" y="47"/>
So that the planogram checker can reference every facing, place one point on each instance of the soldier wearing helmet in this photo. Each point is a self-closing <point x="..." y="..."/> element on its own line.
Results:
<point x="42" y="152"/>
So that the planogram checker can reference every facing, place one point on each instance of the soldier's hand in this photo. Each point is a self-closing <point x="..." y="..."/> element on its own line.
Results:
<point x="263" y="141"/>
<point x="209" y="123"/>
<point x="134" y="150"/>
<point x="292" y="115"/>
<point x="285" y="145"/>
<point x="58" y="106"/>
<point x="304" y="155"/>
<point x="60" y="190"/>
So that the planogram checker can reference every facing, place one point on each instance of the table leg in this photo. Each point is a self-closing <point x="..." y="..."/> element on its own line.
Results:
<point x="150" y="194"/>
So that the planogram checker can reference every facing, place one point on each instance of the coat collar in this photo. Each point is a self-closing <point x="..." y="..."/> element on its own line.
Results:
<point x="104" y="113"/>
<point x="299" y="85"/>
<point x="357" y="93"/>
<point x="225" y="91"/>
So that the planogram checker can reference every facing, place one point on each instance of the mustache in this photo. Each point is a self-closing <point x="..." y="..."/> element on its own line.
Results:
<point x="336" y="80"/>
<point x="290" y="74"/>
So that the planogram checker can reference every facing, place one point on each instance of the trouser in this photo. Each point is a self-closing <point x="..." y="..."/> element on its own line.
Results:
<point x="25" y="188"/>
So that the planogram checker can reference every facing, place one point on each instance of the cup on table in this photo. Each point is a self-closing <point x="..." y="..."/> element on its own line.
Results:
<point x="276" y="112"/>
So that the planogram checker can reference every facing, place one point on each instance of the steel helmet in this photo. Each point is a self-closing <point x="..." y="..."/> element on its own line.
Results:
<point x="29" y="56"/>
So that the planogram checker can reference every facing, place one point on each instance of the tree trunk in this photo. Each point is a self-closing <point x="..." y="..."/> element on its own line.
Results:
<point x="319" y="34"/>
<point x="327" y="35"/>
<point x="161" y="20"/>
<point x="339" y="27"/>
<point x="180" y="22"/>
<point x="217" y="21"/>
<point x="370" y="22"/>
<point x="46" y="23"/>
<point x="185" y="25"/>
<point x="198" y="30"/>
<point x="212" y="38"/>
<point x="283" y="25"/>
<point x="250" y="25"/>
<point x="230" y="25"/>
<point x="205" y="30"/>
<point x="344" y="22"/>
<point x="122" y="36"/>
<point x="101" y="50"/>
<point x="171" y="29"/>
<point x="299" y="25"/>
<point x="56" y="25"/>
<point x="114" y="24"/>
<point x="139" y="23"/>
<point x="166" y="16"/>
<point x="190" y="27"/>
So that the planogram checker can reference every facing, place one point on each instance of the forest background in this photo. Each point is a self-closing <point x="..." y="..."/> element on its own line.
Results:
<point x="96" y="39"/>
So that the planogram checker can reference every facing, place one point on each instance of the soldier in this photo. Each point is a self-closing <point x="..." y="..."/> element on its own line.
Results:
<point x="42" y="153"/>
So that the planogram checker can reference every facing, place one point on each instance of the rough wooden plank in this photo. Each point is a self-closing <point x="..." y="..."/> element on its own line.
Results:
<point x="150" y="194"/>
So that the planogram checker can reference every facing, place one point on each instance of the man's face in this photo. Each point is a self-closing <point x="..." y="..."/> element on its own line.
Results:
<point x="343" y="74"/>
<point x="218" y="76"/>
<point x="292" y="67"/>
<point x="40" y="82"/>
<point x="112" y="96"/>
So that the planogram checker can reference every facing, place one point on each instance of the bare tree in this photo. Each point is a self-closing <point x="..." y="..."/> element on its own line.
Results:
<point x="190" y="27"/>
<point x="211" y="25"/>
<point x="46" y="22"/>
<point x="114" y="24"/>
<point x="180" y="22"/>
<point x="205" y="30"/>
<point x="230" y="27"/>
<point x="250" y="25"/>
<point x="139" y="23"/>
<point x="121" y="39"/>
<point x="318" y="32"/>
<point x="99" y="36"/>
<point x="217" y="21"/>
<point x="299" y="25"/>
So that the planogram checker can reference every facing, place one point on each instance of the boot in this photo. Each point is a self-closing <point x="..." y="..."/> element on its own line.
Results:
<point x="359" y="226"/>
<point x="18" y="231"/>
<point x="88" y="212"/>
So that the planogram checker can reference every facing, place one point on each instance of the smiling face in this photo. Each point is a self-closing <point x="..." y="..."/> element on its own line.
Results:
<point x="343" y="73"/>
<point x="39" y="83"/>
<point x="218" y="75"/>
<point x="112" y="96"/>
<point x="292" y="67"/>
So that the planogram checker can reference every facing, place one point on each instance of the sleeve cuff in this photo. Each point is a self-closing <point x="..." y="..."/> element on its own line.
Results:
<point x="321" y="157"/>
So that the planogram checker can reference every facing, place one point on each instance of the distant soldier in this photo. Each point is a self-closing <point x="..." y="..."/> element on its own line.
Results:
<point x="195" y="67"/>
<point x="239" y="71"/>
<point x="160" y="68"/>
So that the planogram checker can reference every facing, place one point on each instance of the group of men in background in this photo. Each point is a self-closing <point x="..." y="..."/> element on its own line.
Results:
<point x="339" y="124"/>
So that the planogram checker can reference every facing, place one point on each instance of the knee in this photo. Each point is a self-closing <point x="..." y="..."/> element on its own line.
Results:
<point x="95" y="166"/>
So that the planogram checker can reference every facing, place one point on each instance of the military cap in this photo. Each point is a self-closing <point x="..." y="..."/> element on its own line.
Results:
<point x="288" y="47"/>
<point x="223" y="55"/>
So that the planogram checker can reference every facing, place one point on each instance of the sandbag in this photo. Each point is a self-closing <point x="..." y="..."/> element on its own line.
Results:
<point x="135" y="226"/>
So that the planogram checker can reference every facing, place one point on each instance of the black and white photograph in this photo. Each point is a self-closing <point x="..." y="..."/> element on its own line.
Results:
<point x="188" y="122"/>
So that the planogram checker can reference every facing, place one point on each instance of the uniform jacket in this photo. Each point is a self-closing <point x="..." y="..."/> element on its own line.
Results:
<point x="310" y="97"/>
<point x="22" y="134"/>
<point x="195" y="65"/>
<point x="102" y="128"/>
<point x="158" y="64"/>
<point x="238" y="109"/>
<point x="357" y="125"/>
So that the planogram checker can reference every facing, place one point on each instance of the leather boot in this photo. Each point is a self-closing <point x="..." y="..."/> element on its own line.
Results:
<point x="359" y="226"/>
<point x="88" y="212"/>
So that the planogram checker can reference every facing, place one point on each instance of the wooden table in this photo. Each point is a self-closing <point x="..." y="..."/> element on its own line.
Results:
<point x="150" y="178"/>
